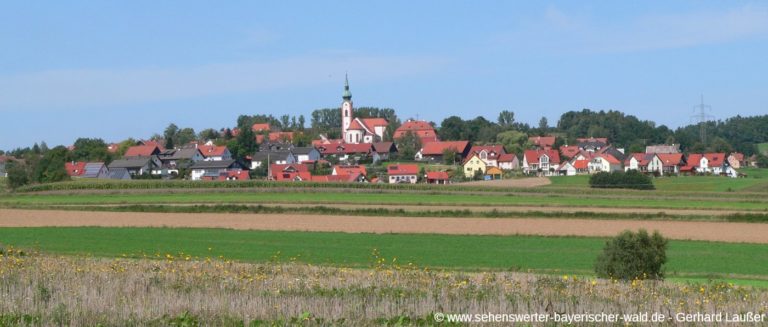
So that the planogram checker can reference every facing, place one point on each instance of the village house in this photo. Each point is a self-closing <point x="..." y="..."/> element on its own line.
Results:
<point x="542" y="142"/>
<point x="509" y="161"/>
<point x="591" y="144"/>
<point x="116" y="173"/>
<point x="671" y="163"/>
<point x="437" y="177"/>
<point x="174" y="159"/>
<point x="384" y="150"/>
<point x="737" y="160"/>
<point x="142" y="151"/>
<point x="235" y="175"/>
<point x="348" y="152"/>
<point x="272" y="157"/>
<point x="303" y="154"/>
<point x="214" y="169"/>
<point x="604" y="163"/>
<point x="644" y="163"/>
<point x="708" y="163"/>
<point x="349" y="170"/>
<point x="215" y="152"/>
<point x="421" y="129"/>
<point x="473" y="164"/>
<point x="86" y="169"/>
<point x="403" y="173"/>
<point x="569" y="151"/>
<point x="289" y="173"/>
<point x="541" y="162"/>
<point x="488" y="153"/>
<point x="433" y="151"/>
<point x="136" y="166"/>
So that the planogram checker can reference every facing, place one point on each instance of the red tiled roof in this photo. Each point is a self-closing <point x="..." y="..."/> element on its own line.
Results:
<point x="532" y="156"/>
<point x="75" y="168"/>
<point x="542" y="141"/>
<point x="258" y="127"/>
<point x="715" y="159"/>
<point x="420" y="128"/>
<point x="569" y="151"/>
<point x="289" y="172"/>
<point x="403" y="169"/>
<point x="373" y="122"/>
<point x="212" y="150"/>
<point x="611" y="159"/>
<point x="240" y="175"/>
<point x="439" y="175"/>
<point x="642" y="158"/>
<point x="355" y="125"/>
<point x="507" y="157"/>
<point x="580" y="164"/>
<point x="275" y="137"/>
<point x="349" y="170"/>
<point x="670" y="159"/>
<point x="142" y="150"/>
<point x="155" y="143"/>
<point x="437" y="148"/>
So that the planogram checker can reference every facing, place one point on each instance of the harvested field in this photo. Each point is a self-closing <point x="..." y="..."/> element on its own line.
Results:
<point x="682" y="230"/>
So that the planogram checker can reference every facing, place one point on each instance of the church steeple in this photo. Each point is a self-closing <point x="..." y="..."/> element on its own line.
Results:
<point x="347" y="95"/>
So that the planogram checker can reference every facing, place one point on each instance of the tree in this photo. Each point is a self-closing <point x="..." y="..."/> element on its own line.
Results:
<point x="631" y="256"/>
<point x="762" y="161"/>
<point x="408" y="145"/>
<point x="478" y="175"/>
<point x="301" y="122"/>
<point x="209" y="134"/>
<point x="513" y="141"/>
<point x="170" y="135"/>
<point x="17" y="175"/>
<point x="449" y="156"/>
<point x="543" y="125"/>
<point x="50" y="168"/>
<point x="285" y="121"/>
<point x="506" y="118"/>
<point x="87" y="149"/>
<point x="184" y="136"/>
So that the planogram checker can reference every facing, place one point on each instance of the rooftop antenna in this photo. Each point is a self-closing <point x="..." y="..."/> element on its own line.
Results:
<point x="702" y="117"/>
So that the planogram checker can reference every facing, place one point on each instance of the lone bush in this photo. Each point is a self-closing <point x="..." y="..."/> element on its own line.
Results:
<point x="633" y="256"/>
<point x="631" y="179"/>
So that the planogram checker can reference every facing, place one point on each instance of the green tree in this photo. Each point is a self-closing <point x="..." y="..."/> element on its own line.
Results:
<point x="17" y="175"/>
<point x="506" y="118"/>
<point x="50" y="168"/>
<point x="170" y="134"/>
<point x="208" y="134"/>
<point x="87" y="149"/>
<point x="513" y="141"/>
<point x="408" y="145"/>
<point x="631" y="256"/>
<point x="449" y="156"/>
<point x="543" y="125"/>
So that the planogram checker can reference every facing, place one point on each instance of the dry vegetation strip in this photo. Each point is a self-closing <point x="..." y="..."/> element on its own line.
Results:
<point x="87" y="292"/>
<point x="683" y="230"/>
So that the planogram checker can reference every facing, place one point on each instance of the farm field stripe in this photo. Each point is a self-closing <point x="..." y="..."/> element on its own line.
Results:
<point x="681" y="230"/>
<point x="465" y="252"/>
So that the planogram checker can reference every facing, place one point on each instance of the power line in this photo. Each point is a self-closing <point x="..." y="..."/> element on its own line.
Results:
<point x="702" y="117"/>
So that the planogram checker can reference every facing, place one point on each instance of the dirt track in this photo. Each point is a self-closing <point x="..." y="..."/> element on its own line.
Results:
<point x="709" y="231"/>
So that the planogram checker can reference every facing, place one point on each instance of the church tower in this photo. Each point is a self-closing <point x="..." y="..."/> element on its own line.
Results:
<point x="346" y="110"/>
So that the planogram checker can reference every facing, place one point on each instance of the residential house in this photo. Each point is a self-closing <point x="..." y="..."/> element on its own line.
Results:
<point x="737" y="160"/>
<point x="591" y="144"/>
<point x="473" y="164"/>
<point x="542" y="142"/>
<point x="385" y="149"/>
<point x="272" y="157"/>
<point x="569" y="151"/>
<point x="433" y="151"/>
<point x="235" y="175"/>
<point x="421" y="129"/>
<point x="437" y="177"/>
<point x="644" y="163"/>
<point x="215" y="152"/>
<point x="403" y="173"/>
<point x="289" y="173"/>
<point x="142" y="150"/>
<point x="137" y="166"/>
<point x="488" y="153"/>
<point x="509" y="161"/>
<point x="567" y="169"/>
<point x="348" y="152"/>
<point x="261" y="127"/>
<point x="175" y="159"/>
<point x="581" y="166"/>
<point x="671" y="163"/>
<point x="349" y="170"/>
<point x="604" y="163"/>
<point x="708" y="163"/>
<point x="214" y="169"/>
<point x="74" y="169"/>
<point x="663" y="148"/>
<point x="86" y="169"/>
<point x="302" y="154"/>
<point x="541" y="162"/>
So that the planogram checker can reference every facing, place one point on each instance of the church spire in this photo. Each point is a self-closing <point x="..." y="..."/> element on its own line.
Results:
<point x="347" y="95"/>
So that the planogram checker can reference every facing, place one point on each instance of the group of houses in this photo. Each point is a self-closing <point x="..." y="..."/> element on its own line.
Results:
<point x="362" y="141"/>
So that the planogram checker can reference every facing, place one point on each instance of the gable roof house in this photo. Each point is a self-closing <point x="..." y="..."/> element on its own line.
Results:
<point x="671" y="163"/>
<point x="433" y="151"/>
<point x="215" y="152"/>
<point x="604" y="163"/>
<point x="644" y="163"/>
<point x="420" y="128"/>
<point x="488" y="153"/>
<point x="592" y="144"/>
<point x="175" y="159"/>
<point x="349" y="170"/>
<point x="302" y="154"/>
<point x="214" y="169"/>
<point x="348" y="151"/>
<point x="437" y="177"/>
<point x="142" y="151"/>
<point x="289" y="173"/>
<point x="384" y="149"/>
<point x="403" y="173"/>
<point x="569" y="151"/>
<point x="737" y="160"/>
<point x="708" y="163"/>
<point x="74" y="169"/>
<point x="136" y="165"/>
<point x="86" y="169"/>
<point x="508" y="161"/>
<point x="116" y="173"/>
<point x="474" y="164"/>
<point x="541" y="162"/>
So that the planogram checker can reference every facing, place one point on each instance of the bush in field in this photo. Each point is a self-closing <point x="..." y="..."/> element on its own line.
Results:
<point x="633" y="256"/>
<point x="631" y="179"/>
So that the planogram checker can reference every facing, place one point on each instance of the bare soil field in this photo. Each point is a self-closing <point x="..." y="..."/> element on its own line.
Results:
<point x="512" y="182"/>
<point x="683" y="230"/>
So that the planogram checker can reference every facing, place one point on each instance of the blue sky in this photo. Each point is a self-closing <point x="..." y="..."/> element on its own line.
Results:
<point x="118" y="69"/>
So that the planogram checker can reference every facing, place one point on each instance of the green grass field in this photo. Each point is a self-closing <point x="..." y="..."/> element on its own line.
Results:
<point x="540" y="254"/>
<point x="763" y="148"/>
<point x="746" y="203"/>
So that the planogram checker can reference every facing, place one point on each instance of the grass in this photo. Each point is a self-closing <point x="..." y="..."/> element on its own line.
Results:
<point x="763" y="148"/>
<point x="682" y="184"/>
<point x="519" y="253"/>
<point x="384" y="198"/>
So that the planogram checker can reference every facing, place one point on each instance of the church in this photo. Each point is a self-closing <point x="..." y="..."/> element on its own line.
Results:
<point x="359" y="130"/>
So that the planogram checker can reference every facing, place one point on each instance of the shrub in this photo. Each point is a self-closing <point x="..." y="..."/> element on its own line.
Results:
<point x="631" y="179"/>
<point x="633" y="256"/>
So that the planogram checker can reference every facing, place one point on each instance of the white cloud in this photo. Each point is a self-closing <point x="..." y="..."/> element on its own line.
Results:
<point x="85" y="88"/>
